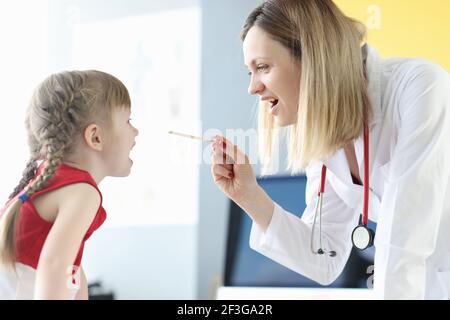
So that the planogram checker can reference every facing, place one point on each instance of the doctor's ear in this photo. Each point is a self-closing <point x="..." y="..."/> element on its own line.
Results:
<point x="93" y="136"/>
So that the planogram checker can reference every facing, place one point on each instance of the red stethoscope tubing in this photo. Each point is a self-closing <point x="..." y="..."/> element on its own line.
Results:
<point x="365" y="217"/>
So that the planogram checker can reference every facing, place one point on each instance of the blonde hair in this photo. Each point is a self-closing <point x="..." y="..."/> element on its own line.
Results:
<point x="62" y="106"/>
<point x="333" y="100"/>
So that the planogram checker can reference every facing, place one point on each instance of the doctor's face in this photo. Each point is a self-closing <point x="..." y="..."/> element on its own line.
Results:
<point x="275" y="75"/>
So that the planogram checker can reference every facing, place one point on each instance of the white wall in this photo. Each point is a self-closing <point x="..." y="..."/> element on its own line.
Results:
<point x="23" y="60"/>
<point x="225" y="105"/>
<point x="151" y="262"/>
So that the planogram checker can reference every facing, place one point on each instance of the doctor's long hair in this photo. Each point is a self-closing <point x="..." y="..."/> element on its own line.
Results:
<point x="62" y="106"/>
<point x="333" y="98"/>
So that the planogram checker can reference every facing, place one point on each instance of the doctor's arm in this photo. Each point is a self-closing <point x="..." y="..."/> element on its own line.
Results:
<point x="287" y="240"/>
<point x="280" y="235"/>
<point x="414" y="194"/>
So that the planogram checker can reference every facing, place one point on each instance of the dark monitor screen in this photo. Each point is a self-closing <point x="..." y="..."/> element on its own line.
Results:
<point x="246" y="267"/>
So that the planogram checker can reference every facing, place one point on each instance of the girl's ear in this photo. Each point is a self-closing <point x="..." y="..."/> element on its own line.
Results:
<point x="93" y="137"/>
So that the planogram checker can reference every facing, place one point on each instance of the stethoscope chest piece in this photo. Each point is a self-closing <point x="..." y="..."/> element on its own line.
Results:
<point x="362" y="237"/>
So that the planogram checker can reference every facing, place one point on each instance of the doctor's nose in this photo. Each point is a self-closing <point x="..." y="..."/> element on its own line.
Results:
<point x="255" y="87"/>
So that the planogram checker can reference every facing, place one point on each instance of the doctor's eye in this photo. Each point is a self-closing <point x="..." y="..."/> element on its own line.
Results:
<point x="262" y="67"/>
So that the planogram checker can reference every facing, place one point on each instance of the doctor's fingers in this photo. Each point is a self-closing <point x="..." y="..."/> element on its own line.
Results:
<point x="238" y="157"/>
<point x="219" y="171"/>
<point x="218" y="157"/>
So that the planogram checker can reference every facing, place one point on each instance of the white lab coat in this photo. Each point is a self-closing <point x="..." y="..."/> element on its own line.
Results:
<point x="409" y="197"/>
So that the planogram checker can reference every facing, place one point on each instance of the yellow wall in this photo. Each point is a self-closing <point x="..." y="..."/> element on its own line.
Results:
<point x="407" y="28"/>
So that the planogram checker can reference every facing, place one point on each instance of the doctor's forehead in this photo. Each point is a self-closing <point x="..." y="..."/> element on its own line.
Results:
<point x="258" y="45"/>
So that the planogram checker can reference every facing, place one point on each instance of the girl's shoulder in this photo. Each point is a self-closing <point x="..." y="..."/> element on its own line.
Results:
<point x="68" y="183"/>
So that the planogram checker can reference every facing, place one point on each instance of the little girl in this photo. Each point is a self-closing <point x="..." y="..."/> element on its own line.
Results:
<point x="79" y="132"/>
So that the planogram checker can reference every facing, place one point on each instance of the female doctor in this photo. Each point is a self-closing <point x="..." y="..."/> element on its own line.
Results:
<point x="374" y="138"/>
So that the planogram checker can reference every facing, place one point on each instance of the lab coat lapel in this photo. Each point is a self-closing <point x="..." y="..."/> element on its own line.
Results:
<point x="374" y="85"/>
<point x="374" y="90"/>
<point x="373" y="66"/>
<point x="338" y="174"/>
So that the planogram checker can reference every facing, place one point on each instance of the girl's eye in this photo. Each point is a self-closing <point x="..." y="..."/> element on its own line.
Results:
<point x="129" y="120"/>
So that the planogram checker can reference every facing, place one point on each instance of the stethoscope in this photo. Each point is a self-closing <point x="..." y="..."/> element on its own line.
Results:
<point x="362" y="235"/>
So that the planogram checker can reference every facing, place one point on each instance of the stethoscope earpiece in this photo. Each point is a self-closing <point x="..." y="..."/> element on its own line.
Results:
<point x="331" y="253"/>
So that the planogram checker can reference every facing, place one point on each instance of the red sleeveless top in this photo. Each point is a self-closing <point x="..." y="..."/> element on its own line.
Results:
<point x="32" y="230"/>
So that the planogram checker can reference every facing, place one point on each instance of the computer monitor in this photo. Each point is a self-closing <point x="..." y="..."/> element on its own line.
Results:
<point x="245" y="267"/>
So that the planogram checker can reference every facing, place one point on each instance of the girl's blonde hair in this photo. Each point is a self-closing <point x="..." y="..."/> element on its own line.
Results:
<point x="62" y="106"/>
<point x="333" y="100"/>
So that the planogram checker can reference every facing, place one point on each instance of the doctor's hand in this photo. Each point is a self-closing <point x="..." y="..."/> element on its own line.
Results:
<point x="232" y="171"/>
<point x="233" y="174"/>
